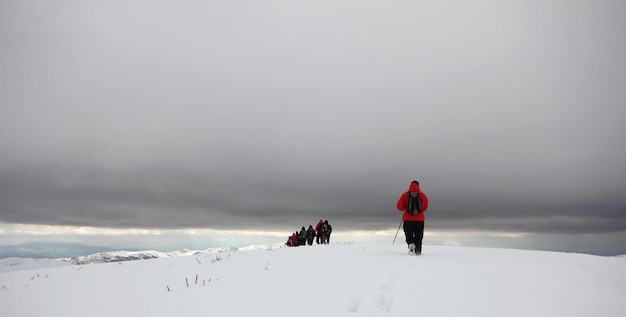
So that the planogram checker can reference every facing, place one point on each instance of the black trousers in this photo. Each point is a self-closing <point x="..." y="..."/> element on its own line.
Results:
<point x="414" y="233"/>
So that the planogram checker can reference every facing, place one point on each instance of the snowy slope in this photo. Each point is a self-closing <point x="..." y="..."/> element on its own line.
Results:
<point x="23" y="264"/>
<point x="333" y="280"/>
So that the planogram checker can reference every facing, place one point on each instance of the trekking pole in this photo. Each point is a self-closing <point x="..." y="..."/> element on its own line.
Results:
<point x="394" y="238"/>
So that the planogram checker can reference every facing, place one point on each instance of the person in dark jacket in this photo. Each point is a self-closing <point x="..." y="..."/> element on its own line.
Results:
<point x="310" y="235"/>
<point x="327" y="229"/>
<point x="413" y="223"/>
<point x="302" y="236"/>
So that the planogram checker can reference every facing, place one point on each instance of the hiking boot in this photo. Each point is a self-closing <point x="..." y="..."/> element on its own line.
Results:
<point x="412" y="248"/>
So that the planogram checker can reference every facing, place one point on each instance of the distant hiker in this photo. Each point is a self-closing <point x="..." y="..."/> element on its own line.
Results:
<point x="413" y="203"/>
<point x="292" y="241"/>
<point x="327" y="229"/>
<point x="318" y="231"/>
<point x="302" y="236"/>
<point x="310" y="235"/>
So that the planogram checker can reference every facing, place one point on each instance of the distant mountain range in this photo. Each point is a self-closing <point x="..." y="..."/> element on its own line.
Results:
<point x="49" y="250"/>
<point x="115" y="256"/>
<point x="120" y="256"/>
<point x="81" y="254"/>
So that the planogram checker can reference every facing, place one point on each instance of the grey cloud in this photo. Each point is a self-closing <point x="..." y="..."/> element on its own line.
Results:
<point x="153" y="198"/>
<point x="242" y="115"/>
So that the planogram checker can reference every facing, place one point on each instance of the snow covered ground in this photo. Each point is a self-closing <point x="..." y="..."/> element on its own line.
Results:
<point x="322" y="280"/>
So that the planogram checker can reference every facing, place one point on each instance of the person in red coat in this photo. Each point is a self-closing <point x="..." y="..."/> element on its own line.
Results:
<point x="413" y="222"/>
<point x="319" y="231"/>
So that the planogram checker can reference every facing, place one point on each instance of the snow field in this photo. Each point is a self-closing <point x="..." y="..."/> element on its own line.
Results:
<point x="334" y="280"/>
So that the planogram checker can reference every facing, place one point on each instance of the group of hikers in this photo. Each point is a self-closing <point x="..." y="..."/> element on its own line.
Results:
<point x="412" y="204"/>
<point x="321" y="234"/>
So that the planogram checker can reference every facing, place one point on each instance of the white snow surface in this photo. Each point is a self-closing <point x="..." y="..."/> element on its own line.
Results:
<point x="323" y="280"/>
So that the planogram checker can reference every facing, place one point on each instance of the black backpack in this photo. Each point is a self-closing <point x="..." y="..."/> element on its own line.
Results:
<point x="415" y="203"/>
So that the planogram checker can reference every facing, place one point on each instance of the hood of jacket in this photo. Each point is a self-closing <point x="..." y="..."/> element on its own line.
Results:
<point x="414" y="187"/>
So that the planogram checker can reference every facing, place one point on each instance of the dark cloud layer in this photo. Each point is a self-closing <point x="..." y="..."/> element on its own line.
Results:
<point x="236" y="115"/>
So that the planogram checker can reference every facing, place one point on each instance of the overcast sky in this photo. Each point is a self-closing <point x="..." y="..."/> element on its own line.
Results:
<point x="271" y="115"/>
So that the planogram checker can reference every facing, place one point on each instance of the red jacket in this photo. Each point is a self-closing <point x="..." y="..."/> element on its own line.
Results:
<point x="403" y="203"/>
<point x="318" y="227"/>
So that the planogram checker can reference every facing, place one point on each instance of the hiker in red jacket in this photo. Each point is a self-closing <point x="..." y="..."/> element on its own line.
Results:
<point x="318" y="231"/>
<point x="292" y="241"/>
<point x="413" y="216"/>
